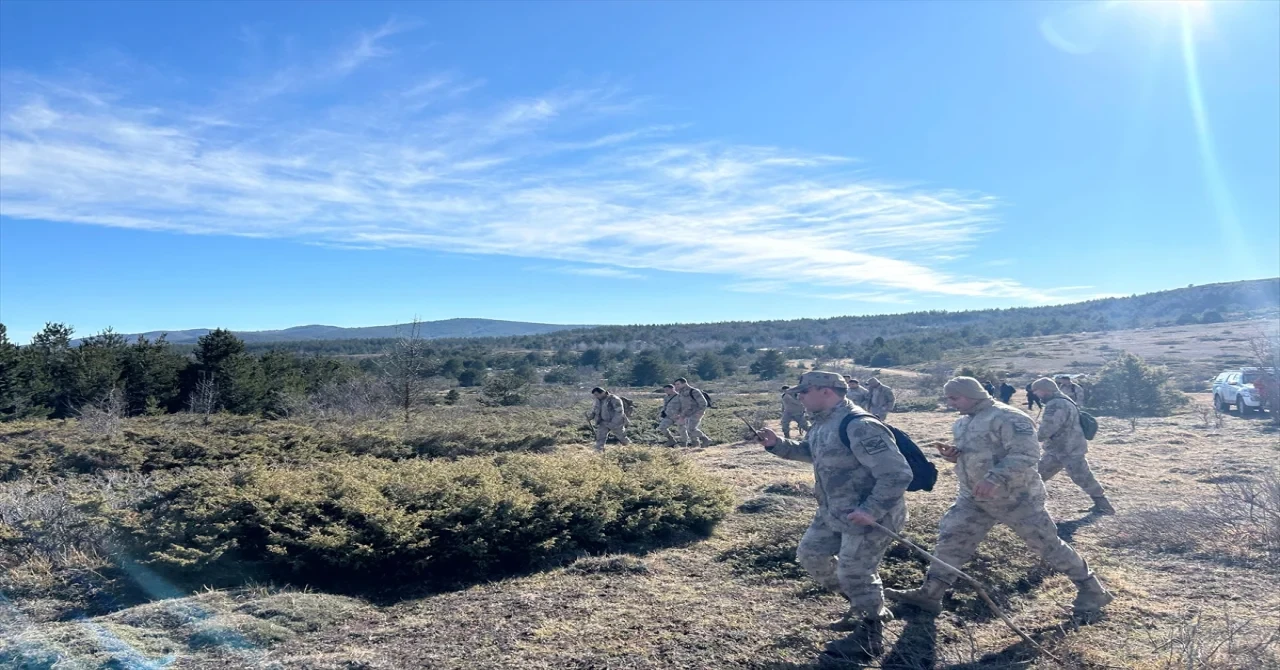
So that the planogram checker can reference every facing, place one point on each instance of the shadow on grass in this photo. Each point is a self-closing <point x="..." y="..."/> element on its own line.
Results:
<point x="916" y="648"/>
<point x="1067" y="529"/>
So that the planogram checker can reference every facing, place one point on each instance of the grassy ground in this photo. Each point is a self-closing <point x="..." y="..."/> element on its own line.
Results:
<point x="1195" y="585"/>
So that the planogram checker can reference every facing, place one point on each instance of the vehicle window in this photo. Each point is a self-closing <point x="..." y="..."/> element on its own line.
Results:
<point x="1251" y="377"/>
<point x="1233" y="379"/>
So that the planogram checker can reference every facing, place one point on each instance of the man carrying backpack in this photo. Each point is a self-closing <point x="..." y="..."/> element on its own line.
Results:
<point x="996" y="453"/>
<point x="693" y="404"/>
<point x="608" y="415"/>
<point x="670" y="416"/>
<point x="1064" y="443"/>
<point x="792" y="411"/>
<point x="859" y="478"/>
<point x="1006" y="392"/>
<point x="1071" y="389"/>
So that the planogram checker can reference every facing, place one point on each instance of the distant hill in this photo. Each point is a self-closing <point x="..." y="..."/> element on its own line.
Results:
<point x="447" y="328"/>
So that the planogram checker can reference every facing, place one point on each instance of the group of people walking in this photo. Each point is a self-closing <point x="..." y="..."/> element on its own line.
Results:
<point x="681" y="417"/>
<point x="861" y="477"/>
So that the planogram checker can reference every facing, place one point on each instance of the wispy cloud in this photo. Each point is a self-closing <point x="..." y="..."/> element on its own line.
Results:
<point x="606" y="272"/>
<point x="562" y="176"/>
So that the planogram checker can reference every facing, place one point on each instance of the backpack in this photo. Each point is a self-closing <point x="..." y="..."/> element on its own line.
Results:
<point x="706" y="396"/>
<point x="923" y="473"/>
<point x="628" y="407"/>
<point x="1088" y="422"/>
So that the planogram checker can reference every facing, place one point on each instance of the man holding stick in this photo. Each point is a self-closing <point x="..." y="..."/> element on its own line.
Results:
<point x="857" y="486"/>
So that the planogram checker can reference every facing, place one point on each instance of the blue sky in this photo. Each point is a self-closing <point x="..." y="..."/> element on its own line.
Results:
<point x="260" y="166"/>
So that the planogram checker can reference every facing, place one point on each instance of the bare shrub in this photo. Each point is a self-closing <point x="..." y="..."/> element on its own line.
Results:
<point x="1240" y="525"/>
<point x="358" y="398"/>
<point x="405" y="369"/>
<point x="204" y="399"/>
<point x="104" y="417"/>
<point x="50" y="520"/>
<point x="1209" y="642"/>
<point x="1210" y="415"/>
<point x="1266" y="353"/>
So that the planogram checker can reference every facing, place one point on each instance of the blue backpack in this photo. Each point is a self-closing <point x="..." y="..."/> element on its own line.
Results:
<point x="923" y="473"/>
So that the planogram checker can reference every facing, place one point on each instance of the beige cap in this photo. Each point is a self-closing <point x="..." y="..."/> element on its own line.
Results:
<point x="820" y="379"/>
<point x="966" y="387"/>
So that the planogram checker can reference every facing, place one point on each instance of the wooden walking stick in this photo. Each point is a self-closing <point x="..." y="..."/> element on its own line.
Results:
<point x="977" y="587"/>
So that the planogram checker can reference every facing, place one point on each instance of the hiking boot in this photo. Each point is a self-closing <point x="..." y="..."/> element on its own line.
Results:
<point x="1091" y="597"/>
<point x="1102" y="506"/>
<point x="863" y="644"/>
<point x="705" y="442"/>
<point x="670" y="442"/>
<point x="927" y="597"/>
<point x="853" y="619"/>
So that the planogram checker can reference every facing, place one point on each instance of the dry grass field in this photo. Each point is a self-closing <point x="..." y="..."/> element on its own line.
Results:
<point x="1194" y="353"/>
<point x="1193" y="556"/>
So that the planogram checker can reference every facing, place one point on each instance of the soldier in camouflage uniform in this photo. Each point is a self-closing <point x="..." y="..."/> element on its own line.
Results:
<point x="792" y="411"/>
<point x="1064" y="443"/>
<point x="608" y="416"/>
<point x="1071" y="389"/>
<point x="996" y="454"/>
<point x="670" y="416"/>
<point x="856" y="485"/>
<point x="693" y="404"/>
<point x="857" y="393"/>
<point x="880" y="400"/>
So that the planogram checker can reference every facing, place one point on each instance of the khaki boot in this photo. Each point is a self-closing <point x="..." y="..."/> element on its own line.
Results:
<point x="852" y="619"/>
<point x="1102" y="506"/>
<point x="863" y="644"/>
<point x="927" y="597"/>
<point x="1091" y="597"/>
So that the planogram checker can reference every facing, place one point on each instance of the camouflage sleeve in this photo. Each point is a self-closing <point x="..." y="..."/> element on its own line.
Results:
<point x="873" y="446"/>
<point x="1055" y="416"/>
<point x="699" y="401"/>
<point x="889" y="400"/>
<point x="792" y="450"/>
<point x="1018" y="435"/>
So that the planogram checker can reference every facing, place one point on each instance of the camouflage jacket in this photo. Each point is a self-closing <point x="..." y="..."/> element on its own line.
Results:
<point x="871" y="474"/>
<point x="1060" y="430"/>
<point x="671" y="406"/>
<point x="691" y="402"/>
<point x="997" y="443"/>
<point x="859" y="396"/>
<point x="791" y="405"/>
<point x="880" y="400"/>
<point x="608" y="411"/>
<point x="1073" y="391"/>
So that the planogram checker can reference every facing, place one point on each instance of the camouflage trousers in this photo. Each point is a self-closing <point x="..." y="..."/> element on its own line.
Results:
<point x="602" y="434"/>
<point x="693" y="430"/>
<point x="667" y="425"/>
<point x="801" y="423"/>
<point x="968" y="521"/>
<point x="1077" y="467"/>
<point x="849" y="563"/>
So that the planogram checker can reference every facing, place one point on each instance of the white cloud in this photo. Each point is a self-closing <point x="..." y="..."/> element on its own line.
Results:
<point x="565" y="175"/>
<point x="607" y="272"/>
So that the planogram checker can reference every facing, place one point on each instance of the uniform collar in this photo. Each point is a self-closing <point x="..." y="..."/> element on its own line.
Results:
<point x="845" y="405"/>
<point x="982" y="404"/>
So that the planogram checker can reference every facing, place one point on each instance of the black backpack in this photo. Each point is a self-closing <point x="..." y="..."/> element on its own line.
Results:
<point x="706" y="396"/>
<point x="923" y="473"/>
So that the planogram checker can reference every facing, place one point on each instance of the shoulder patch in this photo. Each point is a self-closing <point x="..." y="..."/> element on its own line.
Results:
<point x="1023" y="426"/>
<point x="874" y="445"/>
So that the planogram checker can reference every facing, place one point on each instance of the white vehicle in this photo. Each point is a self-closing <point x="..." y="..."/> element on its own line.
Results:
<point x="1236" y="387"/>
